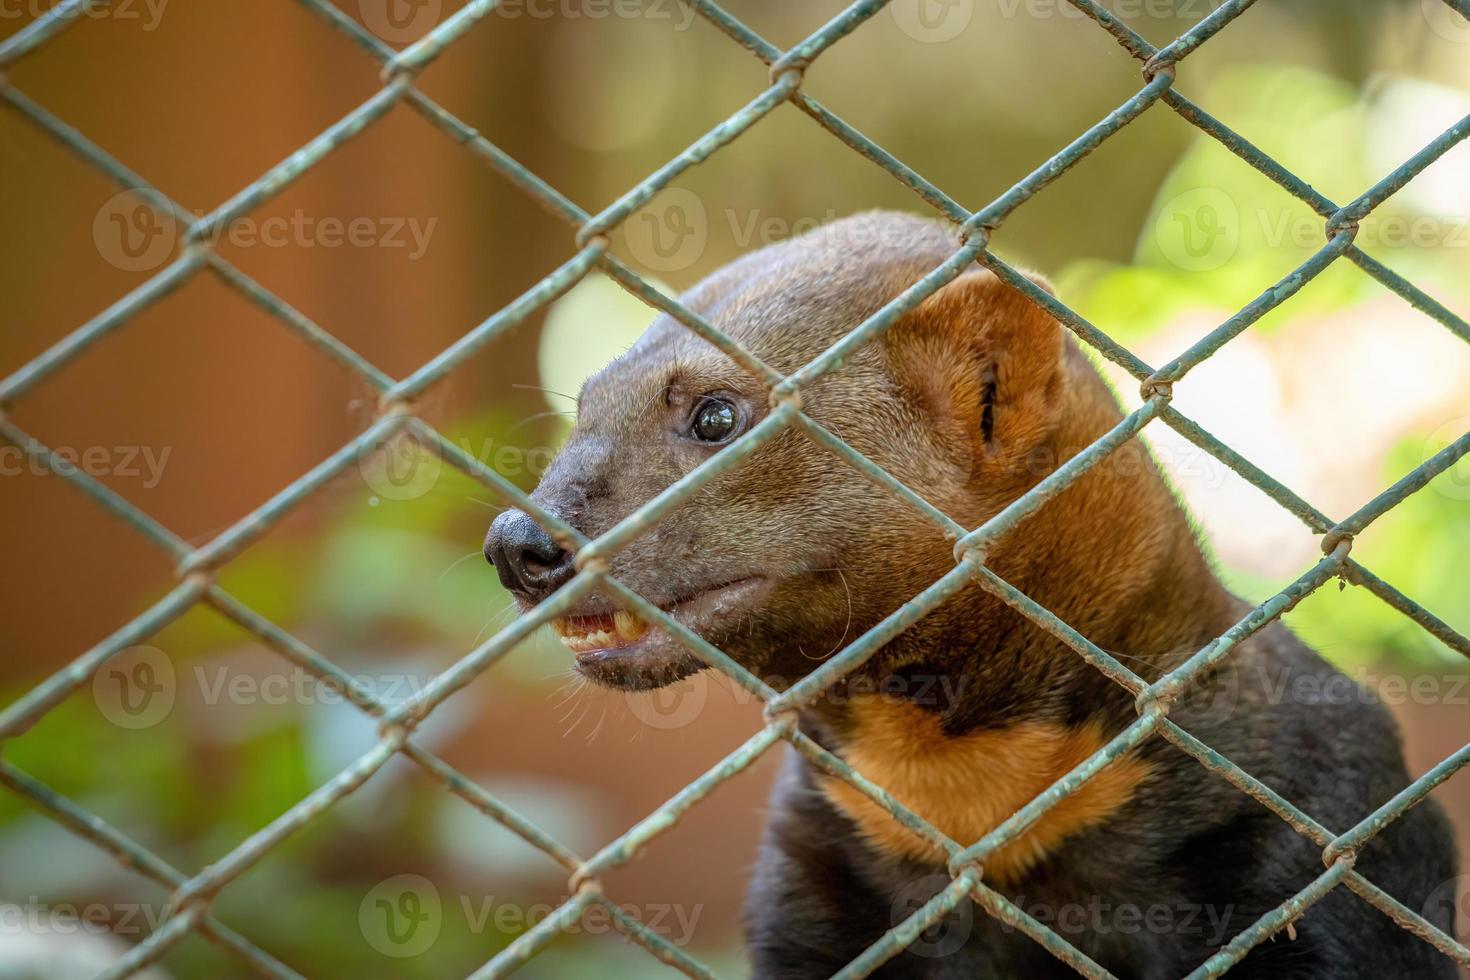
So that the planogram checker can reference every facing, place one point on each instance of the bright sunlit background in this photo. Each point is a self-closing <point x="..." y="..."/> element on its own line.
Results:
<point x="203" y="406"/>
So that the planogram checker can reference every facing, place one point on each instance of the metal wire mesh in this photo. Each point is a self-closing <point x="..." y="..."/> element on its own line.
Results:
<point x="192" y="895"/>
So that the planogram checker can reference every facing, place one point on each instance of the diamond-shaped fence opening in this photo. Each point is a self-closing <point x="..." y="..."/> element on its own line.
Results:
<point x="193" y="894"/>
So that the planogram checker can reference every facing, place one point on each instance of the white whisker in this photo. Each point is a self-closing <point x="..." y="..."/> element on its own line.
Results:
<point x="457" y="562"/>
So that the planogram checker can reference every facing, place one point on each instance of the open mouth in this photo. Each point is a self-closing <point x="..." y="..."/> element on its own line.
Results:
<point x="605" y="631"/>
<point x="611" y="632"/>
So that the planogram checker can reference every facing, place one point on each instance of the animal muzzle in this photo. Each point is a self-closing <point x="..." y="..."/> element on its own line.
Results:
<point x="526" y="558"/>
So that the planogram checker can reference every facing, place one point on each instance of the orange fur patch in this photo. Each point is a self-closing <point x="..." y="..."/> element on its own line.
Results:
<point x="967" y="786"/>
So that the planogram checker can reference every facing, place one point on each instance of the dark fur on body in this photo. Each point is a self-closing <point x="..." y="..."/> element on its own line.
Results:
<point x="1184" y="866"/>
<point x="971" y="399"/>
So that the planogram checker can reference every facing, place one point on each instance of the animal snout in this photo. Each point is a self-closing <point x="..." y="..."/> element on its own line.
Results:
<point x="528" y="561"/>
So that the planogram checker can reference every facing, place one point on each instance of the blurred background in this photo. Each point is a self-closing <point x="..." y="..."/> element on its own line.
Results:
<point x="203" y="406"/>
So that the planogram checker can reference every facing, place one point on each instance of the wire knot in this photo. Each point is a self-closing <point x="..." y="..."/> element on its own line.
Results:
<point x="593" y="233"/>
<point x="394" y="406"/>
<point x="783" y="395"/>
<point x="396" y="732"/>
<point x="1157" y="700"/>
<point x="974" y="551"/>
<point x="584" y="880"/>
<point x="1154" y="388"/>
<point x="790" y="66"/>
<point x="975" y="233"/>
<point x="1342" y="221"/>
<point x="1336" y="537"/>
<point x="955" y="867"/>
<point x="1157" y="65"/>
<point x="782" y="716"/>
<point x="593" y="564"/>
<point x="1338" y="853"/>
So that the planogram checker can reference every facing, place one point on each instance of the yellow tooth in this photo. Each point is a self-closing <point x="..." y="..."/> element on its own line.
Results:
<point x="560" y="627"/>
<point x="628" y="625"/>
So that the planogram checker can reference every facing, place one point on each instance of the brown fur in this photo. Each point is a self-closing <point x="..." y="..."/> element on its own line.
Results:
<point x="1119" y="520"/>
<point x="970" y="399"/>
<point x="968" y="784"/>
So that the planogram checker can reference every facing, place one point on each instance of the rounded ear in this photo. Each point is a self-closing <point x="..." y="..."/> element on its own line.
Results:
<point x="986" y="364"/>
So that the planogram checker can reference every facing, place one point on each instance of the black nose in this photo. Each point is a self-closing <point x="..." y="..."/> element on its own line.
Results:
<point x="525" y="557"/>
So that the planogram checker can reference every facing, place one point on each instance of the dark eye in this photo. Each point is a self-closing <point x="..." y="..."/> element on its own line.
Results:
<point x="714" y="420"/>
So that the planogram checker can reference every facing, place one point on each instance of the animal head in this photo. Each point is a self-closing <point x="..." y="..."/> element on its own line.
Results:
<point x="793" y="553"/>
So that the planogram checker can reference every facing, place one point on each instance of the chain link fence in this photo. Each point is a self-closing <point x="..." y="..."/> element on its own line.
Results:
<point x="192" y="894"/>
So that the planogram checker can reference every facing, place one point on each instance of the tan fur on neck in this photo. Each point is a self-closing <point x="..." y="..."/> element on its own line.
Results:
<point x="966" y="786"/>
